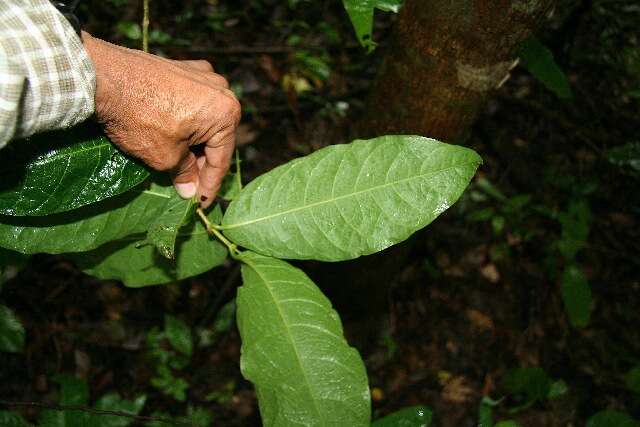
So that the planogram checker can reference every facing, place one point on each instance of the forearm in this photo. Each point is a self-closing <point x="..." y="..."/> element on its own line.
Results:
<point x="47" y="80"/>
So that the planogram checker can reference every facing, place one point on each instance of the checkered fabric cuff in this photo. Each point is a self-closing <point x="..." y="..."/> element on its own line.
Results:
<point x="47" y="80"/>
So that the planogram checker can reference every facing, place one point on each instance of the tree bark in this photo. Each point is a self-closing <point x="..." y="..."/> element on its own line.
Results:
<point x="443" y="60"/>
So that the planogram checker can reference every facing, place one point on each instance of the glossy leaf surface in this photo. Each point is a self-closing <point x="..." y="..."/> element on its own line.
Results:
<point x="139" y="265"/>
<point x="345" y="201"/>
<point x="61" y="171"/>
<point x="416" y="416"/>
<point x="294" y="352"/>
<point x="87" y="228"/>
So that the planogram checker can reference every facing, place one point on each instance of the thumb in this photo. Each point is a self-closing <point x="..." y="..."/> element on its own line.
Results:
<point x="185" y="177"/>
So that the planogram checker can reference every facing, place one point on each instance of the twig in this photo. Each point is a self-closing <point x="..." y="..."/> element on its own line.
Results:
<point x="145" y="25"/>
<point x="94" y="411"/>
<point x="257" y="50"/>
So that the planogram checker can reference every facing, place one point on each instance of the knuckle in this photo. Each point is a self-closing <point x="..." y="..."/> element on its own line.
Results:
<point x="234" y="110"/>
<point x="206" y="65"/>
<point x="166" y="162"/>
<point x="223" y="82"/>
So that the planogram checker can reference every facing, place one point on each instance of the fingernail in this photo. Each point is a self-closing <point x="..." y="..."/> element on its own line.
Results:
<point x="186" y="190"/>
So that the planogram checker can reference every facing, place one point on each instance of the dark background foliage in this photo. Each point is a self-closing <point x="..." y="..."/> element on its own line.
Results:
<point x="479" y="294"/>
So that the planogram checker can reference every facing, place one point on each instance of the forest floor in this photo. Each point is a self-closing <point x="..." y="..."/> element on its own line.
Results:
<point x="479" y="294"/>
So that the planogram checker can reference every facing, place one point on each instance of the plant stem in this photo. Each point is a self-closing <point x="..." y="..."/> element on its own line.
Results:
<point x="145" y="25"/>
<point x="212" y="230"/>
<point x="238" y="170"/>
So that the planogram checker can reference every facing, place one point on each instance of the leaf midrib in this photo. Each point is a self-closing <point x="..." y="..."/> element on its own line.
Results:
<point x="252" y="265"/>
<point x="335" y="199"/>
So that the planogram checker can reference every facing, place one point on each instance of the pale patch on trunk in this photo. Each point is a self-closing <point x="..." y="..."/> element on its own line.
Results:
<point x="483" y="79"/>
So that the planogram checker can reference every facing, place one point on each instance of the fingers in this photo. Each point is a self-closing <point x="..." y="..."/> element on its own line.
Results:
<point x="207" y="71"/>
<point x="217" y="154"/>
<point x="199" y="64"/>
<point x="185" y="177"/>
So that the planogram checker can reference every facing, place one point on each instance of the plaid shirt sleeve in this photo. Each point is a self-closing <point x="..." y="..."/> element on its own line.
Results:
<point x="47" y="80"/>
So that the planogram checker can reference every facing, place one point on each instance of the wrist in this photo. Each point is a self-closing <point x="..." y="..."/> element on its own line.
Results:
<point x="104" y="61"/>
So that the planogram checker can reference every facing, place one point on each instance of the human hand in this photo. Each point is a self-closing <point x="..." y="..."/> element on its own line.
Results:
<point x="155" y="109"/>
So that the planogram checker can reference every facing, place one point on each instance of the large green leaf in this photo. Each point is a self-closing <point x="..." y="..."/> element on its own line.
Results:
<point x="11" y="331"/>
<point x="361" y="15"/>
<point x="294" y="352"/>
<point x="138" y="264"/>
<point x="87" y="228"/>
<point x="345" y="201"/>
<point x="61" y="171"/>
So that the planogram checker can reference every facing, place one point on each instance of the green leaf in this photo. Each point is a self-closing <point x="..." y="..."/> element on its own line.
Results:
<point x="87" y="228"/>
<point x="416" y="416"/>
<point x="611" y="419"/>
<point x="558" y="388"/>
<point x="627" y="155"/>
<point x="178" y="334"/>
<point x="138" y="266"/>
<point x="74" y="393"/>
<point x="61" y="171"/>
<point x="11" y="331"/>
<point x="345" y="201"/>
<point x="485" y="414"/>
<point x="11" y="263"/>
<point x="575" y="228"/>
<point x="293" y="349"/>
<point x="198" y="417"/>
<point x="538" y="60"/>
<point x="576" y="295"/>
<point x="230" y="187"/>
<point x="361" y="15"/>
<point x="163" y="231"/>
<point x="74" y="390"/>
<point x="11" y="419"/>
<point x="632" y="379"/>
<point x="533" y="383"/>
<point x="508" y="423"/>
<point x="113" y="402"/>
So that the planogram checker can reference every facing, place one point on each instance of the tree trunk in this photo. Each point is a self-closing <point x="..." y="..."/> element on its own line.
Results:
<point x="443" y="60"/>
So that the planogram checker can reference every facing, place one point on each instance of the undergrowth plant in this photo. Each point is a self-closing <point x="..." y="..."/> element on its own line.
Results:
<point x="81" y="197"/>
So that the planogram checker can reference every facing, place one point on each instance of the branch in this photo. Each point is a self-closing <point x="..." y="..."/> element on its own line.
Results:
<point x="101" y="412"/>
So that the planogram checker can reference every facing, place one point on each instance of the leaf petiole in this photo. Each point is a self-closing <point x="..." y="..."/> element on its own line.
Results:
<point x="212" y="229"/>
